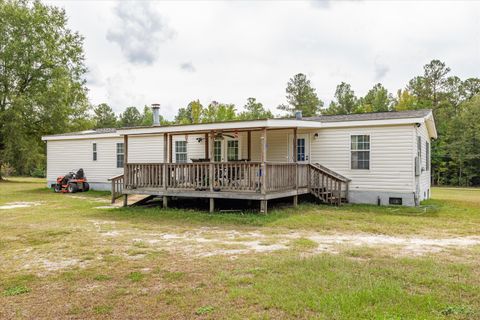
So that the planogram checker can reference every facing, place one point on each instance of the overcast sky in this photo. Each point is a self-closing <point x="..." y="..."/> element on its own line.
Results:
<point x="174" y="52"/>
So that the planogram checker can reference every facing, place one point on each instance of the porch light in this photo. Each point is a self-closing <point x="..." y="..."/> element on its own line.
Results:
<point x="315" y="136"/>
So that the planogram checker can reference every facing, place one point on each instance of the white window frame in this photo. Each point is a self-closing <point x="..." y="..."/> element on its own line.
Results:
<point x="220" y="155"/>
<point x="94" y="151"/>
<point x="238" y="148"/>
<point x="369" y="150"/>
<point x="120" y="154"/>
<point x="178" y="153"/>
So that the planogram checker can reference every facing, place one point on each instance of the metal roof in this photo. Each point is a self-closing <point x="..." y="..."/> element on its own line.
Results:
<point x="391" y="115"/>
<point x="372" y="116"/>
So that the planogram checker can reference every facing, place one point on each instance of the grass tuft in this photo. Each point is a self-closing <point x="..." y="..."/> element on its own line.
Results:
<point x="102" y="309"/>
<point x="15" y="291"/>
<point x="136" y="276"/>
<point x="204" y="310"/>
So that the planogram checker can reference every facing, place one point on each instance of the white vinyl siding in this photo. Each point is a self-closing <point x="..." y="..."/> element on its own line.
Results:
<point x="424" y="178"/>
<point x="145" y="149"/>
<point x="391" y="149"/>
<point x="64" y="156"/>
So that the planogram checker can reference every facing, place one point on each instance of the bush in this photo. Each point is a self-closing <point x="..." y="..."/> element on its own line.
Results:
<point x="6" y="170"/>
<point x="38" y="173"/>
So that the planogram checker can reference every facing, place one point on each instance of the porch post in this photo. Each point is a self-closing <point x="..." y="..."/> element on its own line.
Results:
<point x="249" y="145"/>
<point x="295" y="159"/>
<point x="264" y="203"/>
<point x="125" y="169"/>
<point x="211" y="168"/>
<point x="164" y="168"/>
<point x="206" y="146"/>
<point x="170" y="148"/>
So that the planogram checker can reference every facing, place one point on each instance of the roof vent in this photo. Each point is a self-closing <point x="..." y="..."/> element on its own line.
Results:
<point x="298" y="114"/>
<point x="156" y="113"/>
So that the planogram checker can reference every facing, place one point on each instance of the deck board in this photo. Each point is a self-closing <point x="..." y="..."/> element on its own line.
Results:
<point x="216" y="194"/>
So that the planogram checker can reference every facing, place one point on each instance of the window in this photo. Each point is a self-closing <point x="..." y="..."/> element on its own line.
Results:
<point x="181" y="151"/>
<point x="427" y="157"/>
<point x="360" y="149"/>
<point x="232" y="150"/>
<point x="419" y="147"/>
<point x="217" y="151"/>
<point x="120" y="155"/>
<point x="94" y="151"/>
<point x="301" y="149"/>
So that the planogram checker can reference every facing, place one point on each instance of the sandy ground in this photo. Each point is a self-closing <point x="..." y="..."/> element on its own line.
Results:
<point x="206" y="242"/>
<point x="15" y="205"/>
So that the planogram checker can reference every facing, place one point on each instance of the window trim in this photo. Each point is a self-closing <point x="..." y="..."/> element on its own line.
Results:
<point x="221" y="150"/>
<point x="369" y="150"/>
<point x="238" y="149"/>
<point x="94" y="151"/>
<point x="178" y="153"/>
<point x="120" y="154"/>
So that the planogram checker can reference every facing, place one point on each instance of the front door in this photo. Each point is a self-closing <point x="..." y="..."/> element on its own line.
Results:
<point x="218" y="150"/>
<point x="226" y="150"/>
<point x="303" y="148"/>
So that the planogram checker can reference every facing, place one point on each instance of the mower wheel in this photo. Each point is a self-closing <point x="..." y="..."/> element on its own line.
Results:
<point x="72" y="188"/>
<point x="86" y="186"/>
<point x="57" y="188"/>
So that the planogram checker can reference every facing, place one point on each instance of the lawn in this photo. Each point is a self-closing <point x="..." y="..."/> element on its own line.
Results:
<point x="72" y="256"/>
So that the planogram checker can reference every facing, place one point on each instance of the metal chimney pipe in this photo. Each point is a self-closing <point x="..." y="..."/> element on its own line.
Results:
<point x="298" y="114"/>
<point x="156" y="113"/>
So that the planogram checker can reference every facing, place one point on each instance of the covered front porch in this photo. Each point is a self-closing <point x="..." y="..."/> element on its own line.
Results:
<point x="226" y="169"/>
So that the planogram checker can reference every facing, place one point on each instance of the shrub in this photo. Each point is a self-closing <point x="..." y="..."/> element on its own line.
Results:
<point x="38" y="173"/>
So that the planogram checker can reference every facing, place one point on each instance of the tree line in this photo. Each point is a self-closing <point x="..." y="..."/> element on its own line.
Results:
<point x="43" y="91"/>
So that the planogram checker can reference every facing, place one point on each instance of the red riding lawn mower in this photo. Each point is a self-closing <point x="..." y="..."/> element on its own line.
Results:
<point x="71" y="183"/>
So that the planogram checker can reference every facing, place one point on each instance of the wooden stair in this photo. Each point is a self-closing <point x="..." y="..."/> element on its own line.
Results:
<point x="327" y="185"/>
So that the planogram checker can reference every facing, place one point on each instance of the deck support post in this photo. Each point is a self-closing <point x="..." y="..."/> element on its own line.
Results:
<point x="125" y="200"/>
<point x="295" y="200"/>
<point x="165" y="202"/>
<point x="264" y="206"/>
<point x="212" y="205"/>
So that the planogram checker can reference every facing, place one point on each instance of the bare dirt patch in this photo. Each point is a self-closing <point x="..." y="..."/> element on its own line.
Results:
<point x="207" y="242"/>
<point x="15" y="205"/>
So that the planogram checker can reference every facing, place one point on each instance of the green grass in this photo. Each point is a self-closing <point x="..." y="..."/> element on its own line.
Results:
<point x="85" y="262"/>
<point x="16" y="290"/>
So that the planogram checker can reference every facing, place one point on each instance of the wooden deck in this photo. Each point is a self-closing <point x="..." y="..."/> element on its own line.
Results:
<point x="231" y="180"/>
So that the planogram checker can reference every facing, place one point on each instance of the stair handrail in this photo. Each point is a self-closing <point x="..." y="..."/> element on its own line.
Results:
<point x="117" y="186"/>
<point x="330" y="172"/>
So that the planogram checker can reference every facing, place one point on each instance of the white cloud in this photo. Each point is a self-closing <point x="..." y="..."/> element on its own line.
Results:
<point x="139" y="31"/>
<point x="251" y="49"/>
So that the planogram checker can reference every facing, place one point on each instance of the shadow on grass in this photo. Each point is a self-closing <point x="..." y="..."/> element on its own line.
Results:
<point x="281" y="211"/>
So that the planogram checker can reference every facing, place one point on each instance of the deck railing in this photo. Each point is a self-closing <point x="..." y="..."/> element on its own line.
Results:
<point x="325" y="184"/>
<point x="117" y="186"/>
<point x="217" y="176"/>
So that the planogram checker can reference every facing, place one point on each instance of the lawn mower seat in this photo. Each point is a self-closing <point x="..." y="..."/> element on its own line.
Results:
<point x="80" y="174"/>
